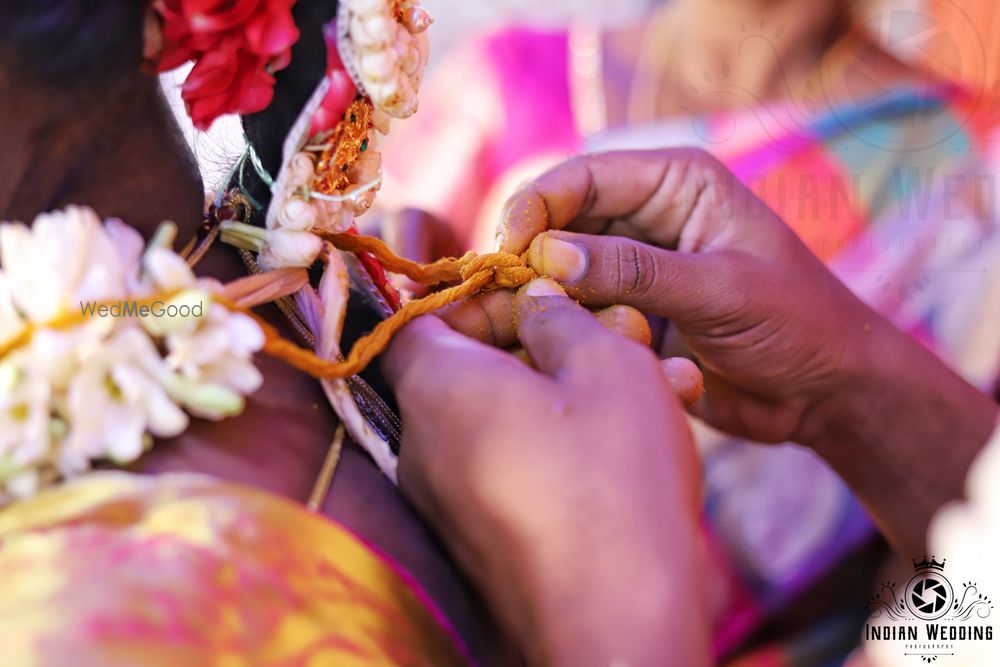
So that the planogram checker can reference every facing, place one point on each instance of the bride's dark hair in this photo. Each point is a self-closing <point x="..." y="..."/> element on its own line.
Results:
<point x="267" y="129"/>
<point x="79" y="105"/>
<point x="88" y="44"/>
<point x="81" y="43"/>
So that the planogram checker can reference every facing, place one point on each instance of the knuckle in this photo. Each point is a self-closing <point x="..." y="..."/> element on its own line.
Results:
<point x="691" y="158"/>
<point x="565" y="169"/>
<point x="616" y="360"/>
<point x="703" y="172"/>
<point x="588" y="356"/>
<point x="636" y="269"/>
<point x="603" y="350"/>
<point x="700" y="159"/>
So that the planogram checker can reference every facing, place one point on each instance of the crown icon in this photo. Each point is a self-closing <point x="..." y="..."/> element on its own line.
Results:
<point x="929" y="565"/>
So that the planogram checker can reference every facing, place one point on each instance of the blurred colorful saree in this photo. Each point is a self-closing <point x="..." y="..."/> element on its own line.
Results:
<point x="122" y="569"/>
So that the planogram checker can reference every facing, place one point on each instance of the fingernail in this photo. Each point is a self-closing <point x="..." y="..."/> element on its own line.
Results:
<point x="543" y="287"/>
<point x="561" y="260"/>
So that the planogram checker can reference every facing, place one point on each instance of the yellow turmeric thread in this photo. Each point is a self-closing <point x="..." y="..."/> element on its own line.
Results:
<point x="478" y="273"/>
<point x="73" y="318"/>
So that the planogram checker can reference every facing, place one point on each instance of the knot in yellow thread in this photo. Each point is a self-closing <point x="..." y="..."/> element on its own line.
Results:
<point x="508" y="270"/>
<point x="478" y="273"/>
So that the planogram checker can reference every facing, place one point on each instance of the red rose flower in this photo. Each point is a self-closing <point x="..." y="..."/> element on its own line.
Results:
<point x="236" y="46"/>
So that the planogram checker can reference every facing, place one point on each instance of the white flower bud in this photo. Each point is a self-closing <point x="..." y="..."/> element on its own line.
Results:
<point x="379" y="65"/>
<point x="372" y="32"/>
<point x="367" y="168"/>
<point x="408" y="53"/>
<point x="402" y="103"/>
<point x="297" y="215"/>
<point x="166" y="420"/>
<point x="182" y="310"/>
<point x="289" y="248"/>
<point x="365" y="7"/>
<point x="243" y="328"/>
<point x="363" y="202"/>
<point x="415" y="18"/>
<point x="23" y="484"/>
<point x="339" y="220"/>
<point x="166" y="269"/>
<point x="381" y="120"/>
<point x="204" y="399"/>
<point x="124" y="445"/>
<point x="328" y="213"/>
<point x="301" y="171"/>
<point x="411" y="64"/>
<point x="383" y="91"/>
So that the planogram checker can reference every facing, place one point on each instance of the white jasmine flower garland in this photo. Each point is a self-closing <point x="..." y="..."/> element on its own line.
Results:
<point x="381" y="46"/>
<point x="384" y="48"/>
<point x="93" y="388"/>
<point x="385" y="56"/>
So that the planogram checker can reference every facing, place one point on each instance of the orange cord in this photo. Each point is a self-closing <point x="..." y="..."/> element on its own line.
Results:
<point x="478" y="273"/>
<point x="75" y="317"/>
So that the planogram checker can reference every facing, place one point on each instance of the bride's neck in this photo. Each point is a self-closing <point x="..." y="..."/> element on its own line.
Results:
<point x="115" y="148"/>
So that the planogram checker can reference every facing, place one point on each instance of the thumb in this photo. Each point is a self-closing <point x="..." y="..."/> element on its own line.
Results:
<point x="604" y="270"/>
<point x="559" y="335"/>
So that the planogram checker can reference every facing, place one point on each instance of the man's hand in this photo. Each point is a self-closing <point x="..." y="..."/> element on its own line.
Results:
<point x="788" y="353"/>
<point x="776" y="334"/>
<point x="570" y="493"/>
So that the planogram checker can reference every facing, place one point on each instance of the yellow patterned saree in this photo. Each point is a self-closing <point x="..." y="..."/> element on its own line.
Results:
<point x="185" y="570"/>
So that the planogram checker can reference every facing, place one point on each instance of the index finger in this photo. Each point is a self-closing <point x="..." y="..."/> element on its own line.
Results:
<point x="655" y="192"/>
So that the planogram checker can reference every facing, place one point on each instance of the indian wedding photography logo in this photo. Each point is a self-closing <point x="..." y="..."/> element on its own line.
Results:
<point x="929" y="618"/>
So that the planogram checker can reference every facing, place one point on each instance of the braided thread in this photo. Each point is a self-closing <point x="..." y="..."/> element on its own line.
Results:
<point x="478" y="273"/>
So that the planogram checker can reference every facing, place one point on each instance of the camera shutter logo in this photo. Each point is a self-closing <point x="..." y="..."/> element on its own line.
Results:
<point x="929" y="594"/>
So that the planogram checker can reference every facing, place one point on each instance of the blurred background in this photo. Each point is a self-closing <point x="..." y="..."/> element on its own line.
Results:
<point x="454" y="21"/>
<point x="917" y="30"/>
